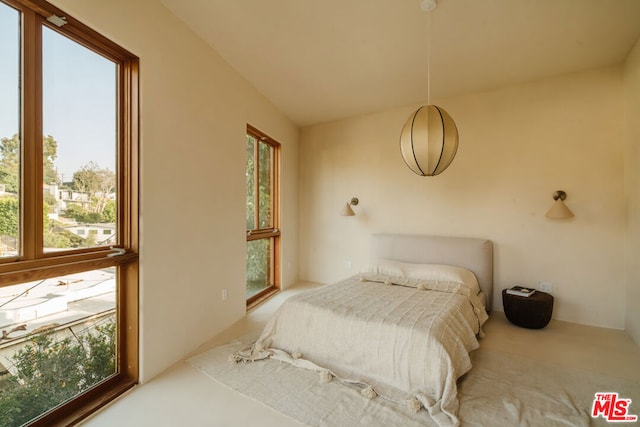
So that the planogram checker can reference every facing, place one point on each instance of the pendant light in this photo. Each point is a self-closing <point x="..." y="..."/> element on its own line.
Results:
<point x="429" y="137"/>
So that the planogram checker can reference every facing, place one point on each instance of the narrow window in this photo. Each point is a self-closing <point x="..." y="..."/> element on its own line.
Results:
<point x="80" y="146"/>
<point x="263" y="228"/>
<point x="68" y="153"/>
<point x="10" y="141"/>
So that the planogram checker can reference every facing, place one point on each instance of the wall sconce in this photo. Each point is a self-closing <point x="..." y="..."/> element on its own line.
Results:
<point x="346" y="210"/>
<point x="559" y="210"/>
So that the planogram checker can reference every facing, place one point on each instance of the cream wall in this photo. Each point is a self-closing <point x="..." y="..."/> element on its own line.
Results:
<point x="194" y="111"/>
<point x="518" y="145"/>
<point x="632" y="191"/>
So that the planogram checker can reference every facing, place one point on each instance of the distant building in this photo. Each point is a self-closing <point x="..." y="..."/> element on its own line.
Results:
<point x="68" y="197"/>
<point x="104" y="234"/>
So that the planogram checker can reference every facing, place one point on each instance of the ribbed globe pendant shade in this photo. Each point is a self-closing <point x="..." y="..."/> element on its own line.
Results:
<point x="429" y="140"/>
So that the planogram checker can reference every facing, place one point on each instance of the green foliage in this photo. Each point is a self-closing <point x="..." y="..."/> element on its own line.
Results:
<point x="109" y="212"/>
<point x="83" y="215"/>
<point x="102" y="348"/>
<point x="250" y="180"/>
<point x="9" y="218"/>
<point x="96" y="182"/>
<point x="264" y="155"/>
<point x="50" y="373"/>
<point x="10" y="162"/>
<point x="264" y="182"/>
<point x="258" y="259"/>
<point x="50" y="200"/>
<point x="56" y="237"/>
<point x="50" y="151"/>
<point x="258" y="251"/>
<point x="80" y="214"/>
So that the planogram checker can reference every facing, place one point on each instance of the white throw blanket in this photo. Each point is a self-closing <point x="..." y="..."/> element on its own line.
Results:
<point x="406" y="344"/>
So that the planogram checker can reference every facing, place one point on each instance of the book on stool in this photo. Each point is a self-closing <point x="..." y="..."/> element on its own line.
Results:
<point x="521" y="291"/>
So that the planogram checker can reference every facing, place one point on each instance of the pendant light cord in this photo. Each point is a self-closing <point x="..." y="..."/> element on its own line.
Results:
<point x="428" y="58"/>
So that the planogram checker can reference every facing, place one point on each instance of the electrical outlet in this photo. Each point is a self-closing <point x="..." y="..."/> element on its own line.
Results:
<point x="347" y="265"/>
<point x="224" y="294"/>
<point x="546" y="287"/>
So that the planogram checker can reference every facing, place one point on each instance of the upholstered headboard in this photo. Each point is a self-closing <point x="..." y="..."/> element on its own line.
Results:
<point x="471" y="253"/>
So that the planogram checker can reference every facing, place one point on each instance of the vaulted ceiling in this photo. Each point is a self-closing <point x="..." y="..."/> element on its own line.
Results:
<point x="324" y="60"/>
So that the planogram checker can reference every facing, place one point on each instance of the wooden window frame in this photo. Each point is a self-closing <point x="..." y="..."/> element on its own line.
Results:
<point x="33" y="263"/>
<point x="274" y="231"/>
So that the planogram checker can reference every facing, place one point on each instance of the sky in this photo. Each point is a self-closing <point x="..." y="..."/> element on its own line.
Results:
<point x="79" y="97"/>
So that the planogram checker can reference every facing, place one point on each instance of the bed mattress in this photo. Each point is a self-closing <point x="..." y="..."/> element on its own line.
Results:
<point x="403" y="343"/>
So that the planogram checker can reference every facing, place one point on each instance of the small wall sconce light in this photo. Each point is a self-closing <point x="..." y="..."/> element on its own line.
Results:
<point x="346" y="210"/>
<point x="559" y="210"/>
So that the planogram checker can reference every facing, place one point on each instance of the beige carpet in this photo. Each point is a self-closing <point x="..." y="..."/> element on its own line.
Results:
<point x="500" y="390"/>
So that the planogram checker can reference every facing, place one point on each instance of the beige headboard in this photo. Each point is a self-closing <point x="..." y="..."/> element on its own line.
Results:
<point x="471" y="253"/>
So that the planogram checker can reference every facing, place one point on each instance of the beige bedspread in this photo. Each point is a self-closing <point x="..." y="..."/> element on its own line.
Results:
<point x="402" y="343"/>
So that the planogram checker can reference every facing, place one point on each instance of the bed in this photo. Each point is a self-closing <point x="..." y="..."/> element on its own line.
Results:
<point x="402" y="330"/>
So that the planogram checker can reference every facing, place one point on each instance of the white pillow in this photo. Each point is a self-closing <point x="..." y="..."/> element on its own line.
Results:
<point x="427" y="272"/>
<point x="387" y="267"/>
<point x="442" y="273"/>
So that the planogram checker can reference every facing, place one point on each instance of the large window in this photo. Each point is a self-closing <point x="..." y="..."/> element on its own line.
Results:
<point x="263" y="228"/>
<point x="68" y="217"/>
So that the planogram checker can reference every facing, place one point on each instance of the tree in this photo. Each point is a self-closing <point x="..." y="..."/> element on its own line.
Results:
<point x="53" y="238"/>
<point x="258" y="251"/>
<point x="50" y="149"/>
<point x="50" y="372"/>
<point x="109" y="212"/>
<point x="10" y="177"/>
<point x="82" y="215"/>
<point x="56" y="237"/>
<point x="98" y="183"/>
<point x="9" y="219"/>
<point x="10" y="162"/>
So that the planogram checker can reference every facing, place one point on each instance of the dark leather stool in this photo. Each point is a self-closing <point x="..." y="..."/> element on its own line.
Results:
<point x="533" y="312"/>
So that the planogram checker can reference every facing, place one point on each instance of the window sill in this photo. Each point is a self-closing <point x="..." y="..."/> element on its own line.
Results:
<point x="258" y="301"/>
<point x="85" y="406"/>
